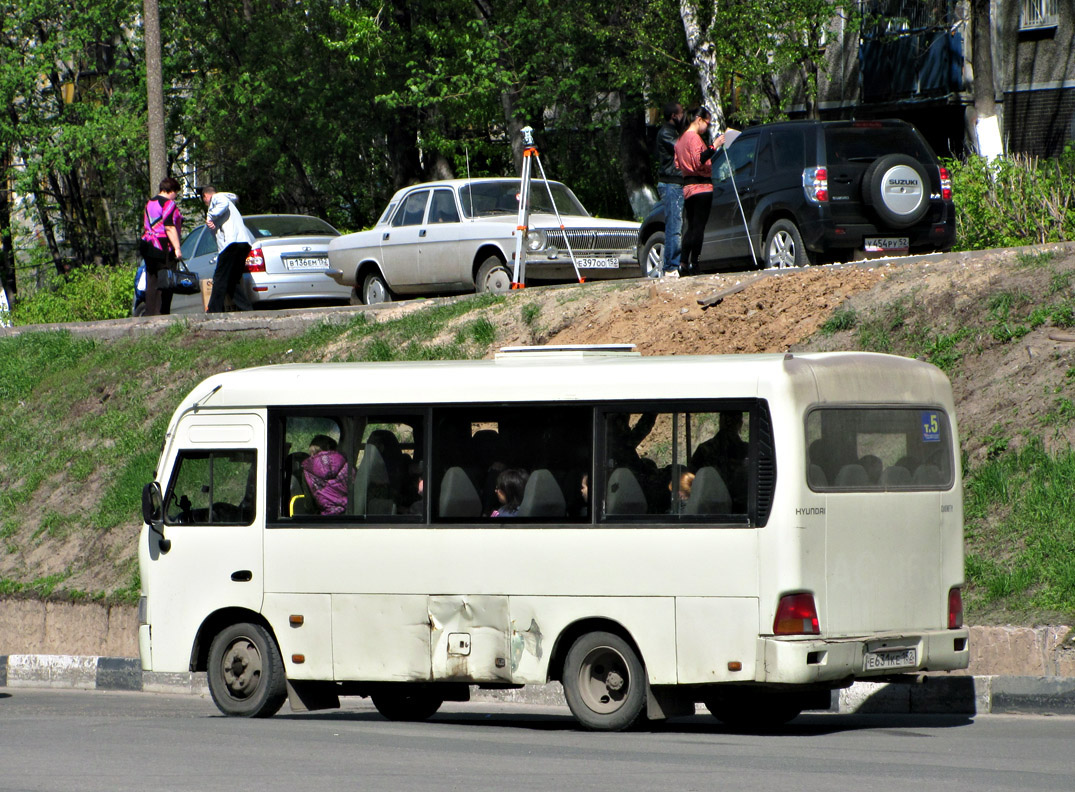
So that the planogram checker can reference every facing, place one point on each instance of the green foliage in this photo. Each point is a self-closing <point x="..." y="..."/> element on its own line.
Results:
<point x="87" y="294"/>
<point x="1020" y="514"/>
<point x="841" y="319"/>
<point x="1014" y="200"/>
<point x="529" y="313"/>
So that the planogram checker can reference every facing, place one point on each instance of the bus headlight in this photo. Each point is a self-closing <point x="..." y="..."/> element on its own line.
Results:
<point x="536" y="240"/>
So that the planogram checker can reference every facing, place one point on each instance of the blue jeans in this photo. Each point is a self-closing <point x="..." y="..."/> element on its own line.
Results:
<point x="672" y="203"/>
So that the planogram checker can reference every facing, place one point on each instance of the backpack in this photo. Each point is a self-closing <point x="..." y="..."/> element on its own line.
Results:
<point x="154" y="242"/>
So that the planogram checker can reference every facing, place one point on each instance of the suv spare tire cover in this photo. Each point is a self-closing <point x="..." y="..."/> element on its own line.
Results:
<point x="897" y="187"/>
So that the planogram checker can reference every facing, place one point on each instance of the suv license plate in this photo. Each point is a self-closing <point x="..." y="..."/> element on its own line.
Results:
<point x="306" y="263"/>
<point x="599" y="263"/>
<point x="886" y="244"/>
<point x="899" y="658"/>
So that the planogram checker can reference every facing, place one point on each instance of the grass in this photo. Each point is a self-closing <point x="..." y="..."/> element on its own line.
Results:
<point x="1020" y="526"/>
<point x="841" y="319"/>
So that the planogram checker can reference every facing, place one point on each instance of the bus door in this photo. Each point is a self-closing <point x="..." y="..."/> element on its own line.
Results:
<point x="469" y="638"/>
<point x="213" y="516"/>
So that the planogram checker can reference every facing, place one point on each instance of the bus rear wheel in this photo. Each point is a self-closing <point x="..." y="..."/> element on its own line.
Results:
<point x="246" y="672"/>
<point x="399" y="705"/>
<point x="604" y="682"/>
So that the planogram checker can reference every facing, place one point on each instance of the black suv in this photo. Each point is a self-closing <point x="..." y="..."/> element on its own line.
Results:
<point x="815" y="191"/>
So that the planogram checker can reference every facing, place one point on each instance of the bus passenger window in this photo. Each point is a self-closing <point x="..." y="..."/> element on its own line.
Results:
<point x="351" y="467"/>
<point x="511" y="464"/>
<point x="212" y="488"/>
<point x="676" y="466"/>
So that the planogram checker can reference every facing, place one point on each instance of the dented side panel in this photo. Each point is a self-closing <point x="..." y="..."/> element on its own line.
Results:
<point x="469" y="638"/>
<point x="537" y="623"/>
<point x="380" y="638"/>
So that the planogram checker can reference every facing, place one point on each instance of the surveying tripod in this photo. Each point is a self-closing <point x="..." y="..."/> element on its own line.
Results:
<point x="530" y="154"/>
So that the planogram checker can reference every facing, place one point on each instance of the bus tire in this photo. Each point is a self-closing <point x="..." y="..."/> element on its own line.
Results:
<point x="604" y="682"/>
<point x="399" y="705"/>
<point x="246" y="672"/>
<point x="759" y="712"/>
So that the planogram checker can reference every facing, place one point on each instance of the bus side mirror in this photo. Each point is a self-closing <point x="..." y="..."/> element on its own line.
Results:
<point x="153" y="513"/>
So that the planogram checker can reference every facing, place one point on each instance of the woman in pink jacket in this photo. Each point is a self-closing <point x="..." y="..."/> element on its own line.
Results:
<point x="693" y="155"/>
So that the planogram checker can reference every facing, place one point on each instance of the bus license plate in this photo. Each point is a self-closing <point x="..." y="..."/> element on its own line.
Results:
<point x="898" y="658"/>
<point x="886" y="244"/>
<point x="306" y="263"/>
<point x="599" y="263"/>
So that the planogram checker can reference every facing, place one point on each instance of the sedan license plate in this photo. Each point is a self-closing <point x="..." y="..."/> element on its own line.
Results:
<point x="886" y="244"/>
<point x="895" y="658"/>
<point x="305" y="262"/>
<point x="599" y="263"/>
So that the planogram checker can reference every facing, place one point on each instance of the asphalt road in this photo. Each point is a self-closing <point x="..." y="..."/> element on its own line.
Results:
<point x="79" y="740"/>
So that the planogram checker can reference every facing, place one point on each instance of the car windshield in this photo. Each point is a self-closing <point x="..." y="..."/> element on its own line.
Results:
<point x="288" y="226"/>
<point x="484" y="199"/>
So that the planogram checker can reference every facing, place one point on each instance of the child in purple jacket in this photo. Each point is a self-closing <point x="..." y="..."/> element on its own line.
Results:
<point x="327" y="475"/>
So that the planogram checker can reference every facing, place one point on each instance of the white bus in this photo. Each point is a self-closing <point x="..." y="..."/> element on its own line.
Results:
<point x="749" y="532"/>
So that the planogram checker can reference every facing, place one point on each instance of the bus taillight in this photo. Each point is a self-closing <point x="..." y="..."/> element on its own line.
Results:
<point x="955" y="608"/>
<point x="796" y="615"/>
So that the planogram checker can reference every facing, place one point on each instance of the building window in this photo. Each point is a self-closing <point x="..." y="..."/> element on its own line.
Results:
<point x="1038" y="14"/>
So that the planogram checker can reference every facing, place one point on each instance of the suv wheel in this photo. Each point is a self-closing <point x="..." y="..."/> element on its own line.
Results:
<point x="652" y="255"/>
<point x="897" y="187"/>
<point x="784" y="246"/>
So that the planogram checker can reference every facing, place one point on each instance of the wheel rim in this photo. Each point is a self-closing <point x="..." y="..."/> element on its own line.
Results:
<point x="376" y="291"/>
<point x="241" y="668"/>
<point x="782" y="250"/>
<point x="655" y="257"/>
<point x="497" y="281"/>
<point x="604" y="680"/>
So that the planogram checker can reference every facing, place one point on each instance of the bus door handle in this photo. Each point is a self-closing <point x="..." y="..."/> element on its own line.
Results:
<point x="242" y="576"/>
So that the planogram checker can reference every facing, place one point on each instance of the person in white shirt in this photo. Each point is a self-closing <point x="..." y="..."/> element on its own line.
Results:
<point x="233" y="241"/>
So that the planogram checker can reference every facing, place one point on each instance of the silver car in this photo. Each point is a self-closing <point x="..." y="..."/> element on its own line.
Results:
<point x="459" y="235"/>
<point x="288" y="261"/>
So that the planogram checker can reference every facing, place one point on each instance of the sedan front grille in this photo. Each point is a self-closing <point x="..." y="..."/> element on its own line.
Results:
<point x="587" y="239"/>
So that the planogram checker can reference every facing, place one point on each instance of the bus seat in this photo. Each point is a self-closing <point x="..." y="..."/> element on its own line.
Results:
<point x="458" y="497"/>
<point x="625" y="495"/>
<point x="896" y="475"/>
<point x="372" y="490"/>
<point x="709" y="493"/>
<point x="817" y="477"/>
<point x="542" y="496"/>
<point x="853" y="475"/>
<point x="928" y="474"/>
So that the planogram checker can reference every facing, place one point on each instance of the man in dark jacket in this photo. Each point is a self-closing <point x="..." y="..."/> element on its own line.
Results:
<point x="670" y="188"/>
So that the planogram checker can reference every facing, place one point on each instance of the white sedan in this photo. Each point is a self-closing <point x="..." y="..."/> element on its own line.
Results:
<point x="459" y="235"/>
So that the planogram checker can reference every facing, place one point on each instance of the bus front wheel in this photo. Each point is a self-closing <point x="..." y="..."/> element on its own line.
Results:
<point x="246" y="672"/>
<point x="604" y="682"/>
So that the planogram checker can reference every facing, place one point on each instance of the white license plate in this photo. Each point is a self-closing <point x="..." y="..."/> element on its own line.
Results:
<point x="306" y="263"/>
<point x="886" y="244"/>
<point x="895" y="658"/>
<point x="599" y="263"/>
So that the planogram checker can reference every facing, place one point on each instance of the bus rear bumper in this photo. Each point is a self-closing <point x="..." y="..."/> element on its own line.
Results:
<point x="805" y="660"/>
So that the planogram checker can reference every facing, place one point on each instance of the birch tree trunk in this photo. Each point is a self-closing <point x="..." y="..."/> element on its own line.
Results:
<point x="704" y="57"/>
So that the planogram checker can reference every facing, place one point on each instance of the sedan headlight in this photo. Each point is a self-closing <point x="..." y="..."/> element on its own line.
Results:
<point x="535" y="240"/>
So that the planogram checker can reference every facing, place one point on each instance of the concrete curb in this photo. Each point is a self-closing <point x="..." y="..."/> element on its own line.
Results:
<point x="936" y="695"/>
